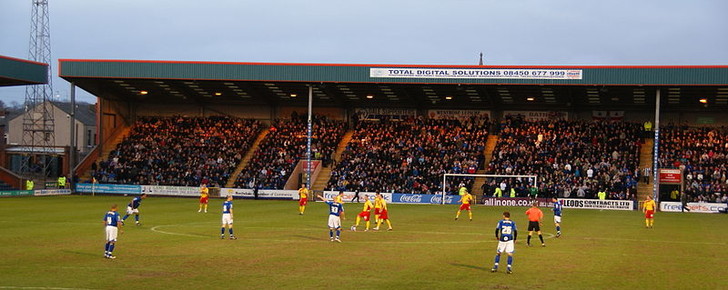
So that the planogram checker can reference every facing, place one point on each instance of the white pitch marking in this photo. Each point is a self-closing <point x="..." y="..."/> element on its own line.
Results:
<point x="34" y="287"/>
<point x="157" y="229"/>
<point x="369" y="242"/>
<point x="548" y="236"/>
<point x="45" y="222"/>
<point x="655" y="241"/>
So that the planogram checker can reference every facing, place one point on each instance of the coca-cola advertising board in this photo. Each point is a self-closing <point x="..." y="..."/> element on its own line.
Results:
<point x="424" y="198"/>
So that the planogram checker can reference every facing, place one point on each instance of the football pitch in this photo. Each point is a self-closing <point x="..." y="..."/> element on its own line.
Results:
<point x="57" y="243"/>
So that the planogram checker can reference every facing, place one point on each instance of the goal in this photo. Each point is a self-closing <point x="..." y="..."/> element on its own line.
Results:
<point x="456" y="178"/>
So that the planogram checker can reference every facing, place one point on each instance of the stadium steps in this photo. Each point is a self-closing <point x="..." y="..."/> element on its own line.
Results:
<point x="246" y="159"/>
<point x="489" y="147"/>
<point x="108" y="147"/>
<point x="325" y="174"/>
<point x="322" y="179"/>
<point x="479" y="181"/>
<point x="488" y="152"/>
<point x="342" y="145"/>
<point x="645" y="189"/>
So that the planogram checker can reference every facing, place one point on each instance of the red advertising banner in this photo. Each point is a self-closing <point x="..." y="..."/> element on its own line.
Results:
<point x="314" y="164"/>
<point x="670" y="176"/>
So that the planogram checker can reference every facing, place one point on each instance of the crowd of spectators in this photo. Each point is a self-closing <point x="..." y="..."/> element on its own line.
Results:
<point x="702" y="153"/>
<point x="285" y="145"/>
<point x="571" y="158"/>
<point x="183" y="151"/>
<point x="410" y="156"/>
<point x="574" y="159"/>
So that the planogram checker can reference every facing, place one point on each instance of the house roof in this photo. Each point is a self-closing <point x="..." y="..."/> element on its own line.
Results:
<point x="85" y="113"/>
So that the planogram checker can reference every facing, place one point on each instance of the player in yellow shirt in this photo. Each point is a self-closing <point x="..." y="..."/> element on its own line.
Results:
<point x="377" y="206"/>
<point x="339" y="197"/>
<point x="204" y="195"/>
<point x="383" y="213"/>
<point x="649" y="209"/>
<point x="365" y="213"/>
<point x="302" y="199"/>
<point x="465" y="201"/>
<point x="462" y="191"/>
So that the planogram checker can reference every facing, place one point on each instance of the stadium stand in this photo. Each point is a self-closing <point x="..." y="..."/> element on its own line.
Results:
<point x="572" y="158"/>
<point x="410" y="156"/>
<point x="179" y="151"/>
<point x="278" y="155"/>
<point x="702" y="153"/>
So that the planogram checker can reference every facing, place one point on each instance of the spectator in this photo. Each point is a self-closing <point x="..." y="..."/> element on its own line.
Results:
<point x="184" y="151"/>
<point x="607" y="151"/>
<point x="286" y="144"/>
<point x="411" y="156"/>
<point x="702" y="153"/>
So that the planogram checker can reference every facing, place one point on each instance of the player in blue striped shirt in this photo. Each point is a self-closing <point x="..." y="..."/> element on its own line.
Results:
<point x="133" y="208"/>
<point x="506" y="234"/>
<point x="112" y="224"/>
<point x="557" y="215"/>
<point x="336" y="213"/>
<point x="227" y="218"/>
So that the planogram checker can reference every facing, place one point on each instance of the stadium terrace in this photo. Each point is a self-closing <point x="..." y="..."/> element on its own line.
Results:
<point x="422" y="105"/>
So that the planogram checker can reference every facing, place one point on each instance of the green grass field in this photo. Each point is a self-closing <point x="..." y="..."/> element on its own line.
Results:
<point x="57" y="242"/>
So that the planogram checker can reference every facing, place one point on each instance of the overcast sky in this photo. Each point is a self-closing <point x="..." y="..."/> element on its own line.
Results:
<point x="508" y="32"/>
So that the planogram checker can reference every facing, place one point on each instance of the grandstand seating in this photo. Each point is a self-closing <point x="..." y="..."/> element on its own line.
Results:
<point x="571" y="158"/>
<point x="702" y="153"/>
<point x="285" y="144"/>
<point x="410" y="156"/>
<point x="179" y="151"/>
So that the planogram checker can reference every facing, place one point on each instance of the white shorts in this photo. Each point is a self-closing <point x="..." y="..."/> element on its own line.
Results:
<point x="334" y="222"/>
<point x="505" y="247"/>
<point x="111" y="233"/>
<point x="227" y="219"/>
<point x="557" y="219"/>
<point x="131" y="211"/>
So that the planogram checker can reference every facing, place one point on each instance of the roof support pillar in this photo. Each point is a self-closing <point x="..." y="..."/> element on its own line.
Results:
<point x="308" y="141"/>
<point x="656" y="153"/>
<point x="72" y="145"/>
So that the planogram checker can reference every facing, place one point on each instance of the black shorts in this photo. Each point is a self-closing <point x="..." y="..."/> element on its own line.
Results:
<point x="533" y="226"/>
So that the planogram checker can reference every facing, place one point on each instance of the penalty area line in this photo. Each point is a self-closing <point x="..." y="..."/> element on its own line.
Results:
<point x="156" y="229"/>
<point x="326" y="240"/>
<point x="473" y="241"/>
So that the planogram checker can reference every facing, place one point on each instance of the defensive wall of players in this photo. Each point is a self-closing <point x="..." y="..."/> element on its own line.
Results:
<point x="395" y="198"/>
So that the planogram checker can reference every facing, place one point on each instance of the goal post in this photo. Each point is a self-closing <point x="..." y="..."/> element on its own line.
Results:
<point x="533" y="179"/>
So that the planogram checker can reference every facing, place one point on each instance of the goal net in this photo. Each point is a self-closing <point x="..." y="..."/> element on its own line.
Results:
<point x="452" y="182"/>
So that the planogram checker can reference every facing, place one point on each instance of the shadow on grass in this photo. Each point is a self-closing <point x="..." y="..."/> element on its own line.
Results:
<point x="316" y="226"/>
<point x="470" y="266"/>
<point x="307" y="237"/>
<point x="82" y="253"/>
